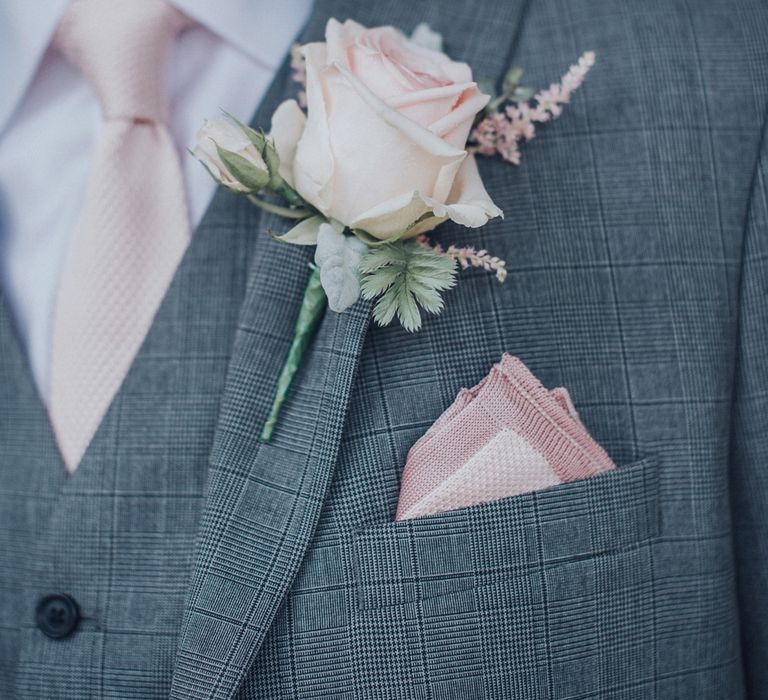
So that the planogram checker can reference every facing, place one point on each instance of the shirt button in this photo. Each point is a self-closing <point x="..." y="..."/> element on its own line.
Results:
<point x="57" y="615"/>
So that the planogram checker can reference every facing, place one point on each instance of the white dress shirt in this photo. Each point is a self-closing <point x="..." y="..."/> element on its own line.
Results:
<point x="49" y="119"/>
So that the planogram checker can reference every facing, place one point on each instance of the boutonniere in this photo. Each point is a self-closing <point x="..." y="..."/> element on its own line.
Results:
<point x="377" y="152"/>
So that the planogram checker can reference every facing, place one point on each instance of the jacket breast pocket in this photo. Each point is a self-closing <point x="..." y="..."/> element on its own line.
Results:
<point x="399" y="562"/>
<point x="544" y="595"/>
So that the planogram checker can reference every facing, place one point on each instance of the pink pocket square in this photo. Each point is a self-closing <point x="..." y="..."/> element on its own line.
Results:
<point x="507" y="436"/>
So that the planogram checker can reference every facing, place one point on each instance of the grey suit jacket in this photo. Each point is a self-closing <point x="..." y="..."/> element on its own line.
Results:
<point x="208" y="565"/>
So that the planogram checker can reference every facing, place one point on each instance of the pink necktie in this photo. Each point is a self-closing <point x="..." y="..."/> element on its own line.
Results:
<point x="133" y="227"/>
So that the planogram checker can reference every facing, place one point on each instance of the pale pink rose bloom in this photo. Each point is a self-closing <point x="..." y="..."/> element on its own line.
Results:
<point x="384" y="141"/>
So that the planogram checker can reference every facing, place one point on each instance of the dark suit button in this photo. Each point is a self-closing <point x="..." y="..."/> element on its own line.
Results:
<point x="57" y="615"/>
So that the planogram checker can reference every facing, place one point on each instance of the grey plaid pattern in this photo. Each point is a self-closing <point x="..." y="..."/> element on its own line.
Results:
<point x="119" y="534"/>
<point x="208" y="565"/>
<point x="749" y="445"/>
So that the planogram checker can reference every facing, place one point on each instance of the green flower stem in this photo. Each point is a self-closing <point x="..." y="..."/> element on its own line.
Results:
<point x="312" y="309"/>
<point x="289" y="194"/>
<point x="280" y="211"/>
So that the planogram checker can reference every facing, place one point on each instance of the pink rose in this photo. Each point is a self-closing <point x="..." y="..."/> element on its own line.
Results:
<point x="384" y="141"/>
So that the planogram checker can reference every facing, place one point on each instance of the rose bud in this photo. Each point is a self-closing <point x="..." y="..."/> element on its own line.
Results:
<point x="231" y="156"/>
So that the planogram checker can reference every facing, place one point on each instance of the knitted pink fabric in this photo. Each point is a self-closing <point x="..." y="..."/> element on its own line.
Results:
<point x="506" y="436"/>
<point x="133" y="226"/>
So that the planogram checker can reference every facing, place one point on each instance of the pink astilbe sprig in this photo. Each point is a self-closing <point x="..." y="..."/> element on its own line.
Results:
<point x="299" y="72"/>
<point x="468" y="257"/>
<point x="503" y="130"/>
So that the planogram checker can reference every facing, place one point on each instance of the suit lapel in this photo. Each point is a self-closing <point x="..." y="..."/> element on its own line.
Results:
<point x="264" y="500"/>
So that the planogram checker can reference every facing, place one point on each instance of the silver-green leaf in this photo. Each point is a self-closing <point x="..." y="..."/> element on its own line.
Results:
<point x="338" y="257"/>
<point x="406" y="277"/>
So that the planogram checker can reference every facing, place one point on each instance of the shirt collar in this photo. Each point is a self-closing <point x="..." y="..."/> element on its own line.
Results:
<point x="258" y="28"/>
<point x="26" y="29"/>
<point x="261" y="29"/>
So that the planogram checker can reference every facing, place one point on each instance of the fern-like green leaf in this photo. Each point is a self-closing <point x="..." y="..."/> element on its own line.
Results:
<point x="381" y="281"/>
<point x="385" y="310"/>
<point x="406" y="277"/>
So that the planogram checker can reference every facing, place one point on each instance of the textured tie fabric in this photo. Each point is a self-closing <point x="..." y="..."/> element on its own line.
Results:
<point x="504" y="437"/>
<point x="133" y="227"/>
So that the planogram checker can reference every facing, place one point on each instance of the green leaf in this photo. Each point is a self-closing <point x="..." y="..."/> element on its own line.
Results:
<point x="407" y="309"/>
<point x="511" y="80"/>
<point x="487" y="86"/>
<point x="427" y="297"/>
<point x="380" y="257"/>
<point x="338" y="257"/>
<point x="405" y="277"/>
<point x="303" y="233"/>
<point x="269" y="154"/>
<point x="265" y="147"/>
<point x="385" y="310"/>
<point x="367" y="238"/>
<point x="383" y="279"/>
<point x="257" y="138"/>
<point x="374" y="242"/>
<point x="244" y="172"/>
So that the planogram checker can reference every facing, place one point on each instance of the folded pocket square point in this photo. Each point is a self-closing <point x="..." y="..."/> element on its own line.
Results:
<point x="506" y="436"/>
